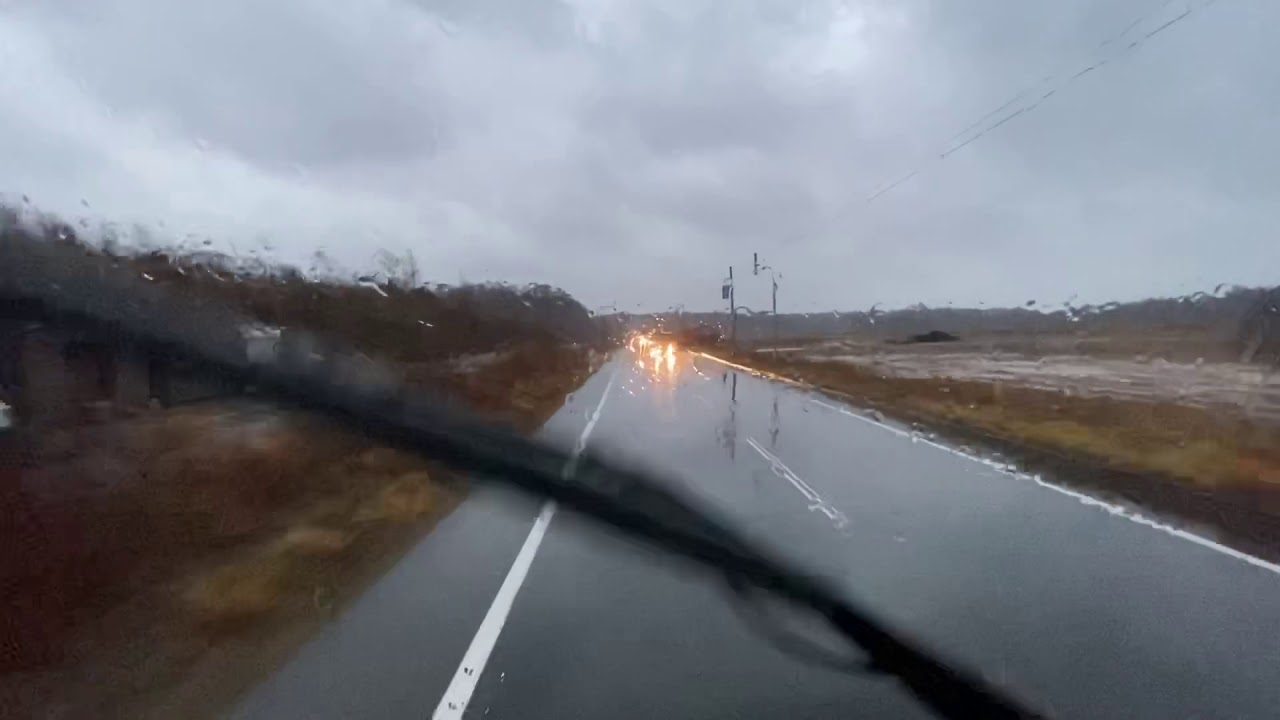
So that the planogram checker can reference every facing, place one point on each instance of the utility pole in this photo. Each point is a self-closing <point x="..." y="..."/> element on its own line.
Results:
<point x="733" y="315"/>
<point x="775" y="313"/>
<point x="773" y="277"/>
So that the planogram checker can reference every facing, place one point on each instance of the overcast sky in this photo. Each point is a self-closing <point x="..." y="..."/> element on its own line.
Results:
<point x="630" y="150"/>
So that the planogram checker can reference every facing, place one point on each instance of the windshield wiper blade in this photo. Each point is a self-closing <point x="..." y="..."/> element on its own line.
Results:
<point x="66" y="284"/>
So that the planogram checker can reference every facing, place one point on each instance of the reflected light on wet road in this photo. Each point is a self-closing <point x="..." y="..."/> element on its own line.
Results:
<point x="661" y="360"/>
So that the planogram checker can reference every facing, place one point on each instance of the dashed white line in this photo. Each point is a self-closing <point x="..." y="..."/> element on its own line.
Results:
<point x="816" y="503"/>
<point x="453" y="703"/>
<point x="1082" y="498"/>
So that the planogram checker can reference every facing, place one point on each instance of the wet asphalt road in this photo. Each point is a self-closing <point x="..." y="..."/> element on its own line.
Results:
<point x="1080" y="611"/>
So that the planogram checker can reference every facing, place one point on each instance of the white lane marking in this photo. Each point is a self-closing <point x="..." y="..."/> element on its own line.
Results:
<point x="816" y="503"/>
<point x="572" y="466"/>
<point x="1083" y="498"/>
<point x="754" y="371"/>
<point x="895" y="430"/>
<point x="453" y="703"/>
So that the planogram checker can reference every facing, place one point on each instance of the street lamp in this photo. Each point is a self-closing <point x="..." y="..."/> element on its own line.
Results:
<point x="773" y="277"/>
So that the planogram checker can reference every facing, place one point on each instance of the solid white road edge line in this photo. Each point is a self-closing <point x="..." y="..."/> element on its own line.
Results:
<point x="1082" y="498"/>
<point x="453" y="703"/>
<point x="753" y="371"/>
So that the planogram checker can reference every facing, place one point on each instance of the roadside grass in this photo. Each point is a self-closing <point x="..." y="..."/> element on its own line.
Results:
<point x="194" y="548"/>
<point x="521" y="387"/>
<point x="304" y="561"/>
<point x="1199" y="447"/>
<point x="159" y="564"/>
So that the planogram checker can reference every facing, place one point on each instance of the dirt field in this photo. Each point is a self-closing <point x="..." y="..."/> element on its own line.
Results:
<point x="158" y="566"/>
<point x="1251" y="390"/>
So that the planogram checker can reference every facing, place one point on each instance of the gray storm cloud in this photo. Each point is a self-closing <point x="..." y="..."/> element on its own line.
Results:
<point x="630" y="151"/>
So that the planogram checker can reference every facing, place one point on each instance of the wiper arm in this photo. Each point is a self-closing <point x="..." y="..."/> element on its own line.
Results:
<point x="67" y="284"/>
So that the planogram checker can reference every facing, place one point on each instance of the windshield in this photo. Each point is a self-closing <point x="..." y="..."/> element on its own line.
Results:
<point x="635" y="359"/>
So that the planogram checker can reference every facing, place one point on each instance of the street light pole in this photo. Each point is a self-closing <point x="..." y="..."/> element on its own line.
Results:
<point x="773" y="278"/>
<point x="733" y="315"/>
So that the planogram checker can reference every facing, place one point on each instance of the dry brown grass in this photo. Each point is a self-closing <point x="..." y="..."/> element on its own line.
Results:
<point x="314" y="541"/>
<point x="1193" y="445"/>
<point x="306" y="559"/>
<point x="237" y="591"/>
<point x="521" y="387"/>
<point x="1210" y="468"/>
<point x="404" y="500"/>
<point x="196" y="545"/>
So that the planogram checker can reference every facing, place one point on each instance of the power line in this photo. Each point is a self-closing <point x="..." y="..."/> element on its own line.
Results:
<point x="1131" y="47"/>
<point x="1059" y="71"/>
<point x="1062" y="70"/>
<point x="894" y="184"/>
<point x="1021" y="93"/>
<point x="952" y="146"/>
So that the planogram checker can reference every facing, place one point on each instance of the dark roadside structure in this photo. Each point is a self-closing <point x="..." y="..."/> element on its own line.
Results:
<point x="67" y="372"/>
<point x="699" y="335"/>
<point x="933" y="336"/>
<point x="1259" y="335"/>
<point x="63" y="287"/>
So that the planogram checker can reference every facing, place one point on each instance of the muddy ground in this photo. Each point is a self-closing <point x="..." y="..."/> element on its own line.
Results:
<point x="1181" y="369"/>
